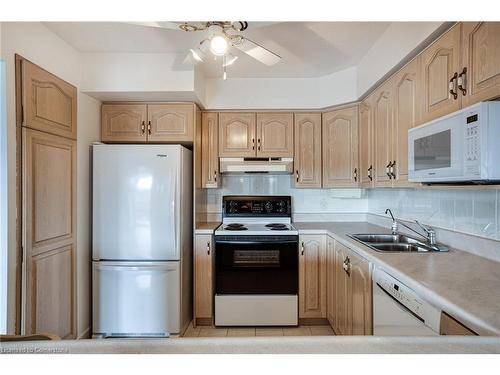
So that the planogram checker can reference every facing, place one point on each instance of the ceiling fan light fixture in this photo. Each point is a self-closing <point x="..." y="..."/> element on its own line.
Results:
<point x="197" y="54"/>
<point x="219" y="45"/>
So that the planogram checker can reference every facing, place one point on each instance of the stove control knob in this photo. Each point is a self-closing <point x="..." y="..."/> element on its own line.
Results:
<point x="268" y="206"/>
<point x="232" y="210"/>
<point x="232" y="204"/>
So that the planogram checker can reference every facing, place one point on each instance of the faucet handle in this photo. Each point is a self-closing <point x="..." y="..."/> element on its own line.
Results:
<point x="431" y="233"/>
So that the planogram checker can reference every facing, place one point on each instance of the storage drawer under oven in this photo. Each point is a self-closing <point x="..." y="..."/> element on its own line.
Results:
<point x="256" y="264"/>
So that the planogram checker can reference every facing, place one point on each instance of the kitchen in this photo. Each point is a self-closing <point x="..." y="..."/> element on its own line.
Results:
<point x="196" y="212"/>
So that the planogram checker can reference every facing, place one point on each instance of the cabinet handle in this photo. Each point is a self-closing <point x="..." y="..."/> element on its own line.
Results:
<point x="215" y="176"/>
<point x="258" y="142"/>
<point x="388" y="170"/>
<point x="143" y="127"/>
<point x="462" y="83"/>
<point x="452" y="86"/>
<point x="347" y="266"/>
<point x="370" y="173"/>
<point x="392" y="169"/>
<point x="149" y="127"/>
<point x="208" y="248"/>
<point x="297" y="174"/>
<point x="302" y="248"/>
<point x="355" y="174"/>
<point x="253" y="143"/>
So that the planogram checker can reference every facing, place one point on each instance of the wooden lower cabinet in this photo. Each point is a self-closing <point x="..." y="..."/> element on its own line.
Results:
<point x="330" y="280"/>
<point x="312" y="277"/>
<point x="452" y="327"/>
<point x="204" y="263"/>
<point x="352" y="294"/>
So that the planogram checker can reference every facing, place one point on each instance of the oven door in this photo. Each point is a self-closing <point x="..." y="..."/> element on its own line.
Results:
<point x="435" y="151"/>
<point x="256" y="265"/>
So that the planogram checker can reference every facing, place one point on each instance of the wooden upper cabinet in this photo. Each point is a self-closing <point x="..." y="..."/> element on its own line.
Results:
<point x="360" y="296"/>
<point x="382" y="123"/>
<point x="275" y="134"/>
<point x="171" y="122"/>
<point x="307" y="160"/>
<point x="49" y="103"/>
<point x="340" y="148"/>
<point x="123" y="122"/>
<point x="365" y="136"/>
<point x="439" y="63"/>
<point x="481" y="58"/>
<point x="312" y="276"/>
<point x="406" y="116"/>
<point x="237" y="134"/>
<point x="203" y="279"/>
<point x="210" y="150"/>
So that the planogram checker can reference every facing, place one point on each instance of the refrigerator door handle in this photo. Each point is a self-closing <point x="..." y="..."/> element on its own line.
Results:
<point x="143" y="266"/>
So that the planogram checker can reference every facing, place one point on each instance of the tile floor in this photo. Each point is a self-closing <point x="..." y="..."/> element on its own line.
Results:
<point x="206" y="331"/>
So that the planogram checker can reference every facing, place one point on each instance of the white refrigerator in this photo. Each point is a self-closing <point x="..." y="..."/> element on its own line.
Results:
<point x="142" y="240"/>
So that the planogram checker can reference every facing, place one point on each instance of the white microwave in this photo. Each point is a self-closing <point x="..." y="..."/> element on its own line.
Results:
<point x="460" y="147"/>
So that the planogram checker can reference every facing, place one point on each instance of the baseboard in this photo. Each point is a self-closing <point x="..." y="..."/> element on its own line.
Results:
<point x="85" y="334"/>
<point x="313" y="322"/>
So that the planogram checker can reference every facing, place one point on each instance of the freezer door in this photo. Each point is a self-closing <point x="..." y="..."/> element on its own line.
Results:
<point x="136" y="205"/>
<point x="136" y="299"/>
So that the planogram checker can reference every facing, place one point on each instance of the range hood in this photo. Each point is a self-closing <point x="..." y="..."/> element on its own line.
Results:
<point x="256" y="165"/>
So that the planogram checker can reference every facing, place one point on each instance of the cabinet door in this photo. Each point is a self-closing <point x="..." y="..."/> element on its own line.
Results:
<point x="307" y="150"/>
<point x="340" y="148"/>
<point x="342" y="292"/>
<point x="210" y="150"/>
<point x="237" y="134"/>
<point x="171" y="122"/>
<point x="360" y="296"/>
<point x="203" y="279"/>
<point x="383" y="136"/>
<point x="312" y="276"/>
<point x="451" y="326"/>
<point x="49" y="103"/>
<point x="275" y="134"/>
<point x="330" y="280"/>
<point x="366" y="169"/>
<point x="406" y="104"/>
<point x="123" y="123"/>
<point x="439" y="63"/>
<point x="49" y="233"/>
<point x="481" y="57"/>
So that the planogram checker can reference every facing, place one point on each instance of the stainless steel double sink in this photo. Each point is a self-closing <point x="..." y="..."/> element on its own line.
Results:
<point x="394" y="243"/>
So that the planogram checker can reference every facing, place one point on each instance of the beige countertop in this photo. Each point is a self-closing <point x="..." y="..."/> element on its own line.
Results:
<point x="263" y="345"/>
<point x="464" y="285"/>
<point x="206" y="227"/>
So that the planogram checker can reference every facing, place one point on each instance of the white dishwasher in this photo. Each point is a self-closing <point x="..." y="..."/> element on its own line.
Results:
<point x="399" y="311"/>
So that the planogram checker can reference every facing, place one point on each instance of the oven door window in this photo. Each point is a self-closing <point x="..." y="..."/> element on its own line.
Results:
<point x="256" y="267"/>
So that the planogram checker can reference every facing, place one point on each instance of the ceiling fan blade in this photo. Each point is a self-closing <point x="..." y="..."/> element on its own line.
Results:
<point x="159" y="24"/>
<point x="258" y="52"/>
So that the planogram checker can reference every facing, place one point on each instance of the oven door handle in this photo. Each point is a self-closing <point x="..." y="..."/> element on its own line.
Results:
<point x="255" y="242"/>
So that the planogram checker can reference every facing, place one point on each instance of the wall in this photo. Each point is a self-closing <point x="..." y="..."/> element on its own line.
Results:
<point x="397" y="42"/>
<point x="38" y="44"/>
<point x="3" y="201"/>
<point x="282" y="93"/>
<point x="309" y="204"/>
<point x="471" y="211"/>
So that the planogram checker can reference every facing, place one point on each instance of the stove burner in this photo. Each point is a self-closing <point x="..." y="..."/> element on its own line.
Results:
<point x="276" y="226"/>
<point x="235" y="226"/>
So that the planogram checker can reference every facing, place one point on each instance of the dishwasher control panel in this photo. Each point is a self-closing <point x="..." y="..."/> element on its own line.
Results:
<point x="408" y="298"/>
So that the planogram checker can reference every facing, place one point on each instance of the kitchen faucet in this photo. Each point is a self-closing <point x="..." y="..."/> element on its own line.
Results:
<point x="430" y="234"/>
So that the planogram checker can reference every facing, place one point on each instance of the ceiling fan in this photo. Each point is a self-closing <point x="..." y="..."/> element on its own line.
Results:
<point x="220" y="36"/>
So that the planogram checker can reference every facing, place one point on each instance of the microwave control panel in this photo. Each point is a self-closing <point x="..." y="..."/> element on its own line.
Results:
<point x="472" y="146"/>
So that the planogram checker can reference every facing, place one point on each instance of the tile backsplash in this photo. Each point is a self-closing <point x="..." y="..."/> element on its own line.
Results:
<point x="472" y="211"/>
<point x="303" y="200"/>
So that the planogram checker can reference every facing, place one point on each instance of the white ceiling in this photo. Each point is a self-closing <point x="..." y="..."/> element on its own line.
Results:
<point x="308" y="49"/>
